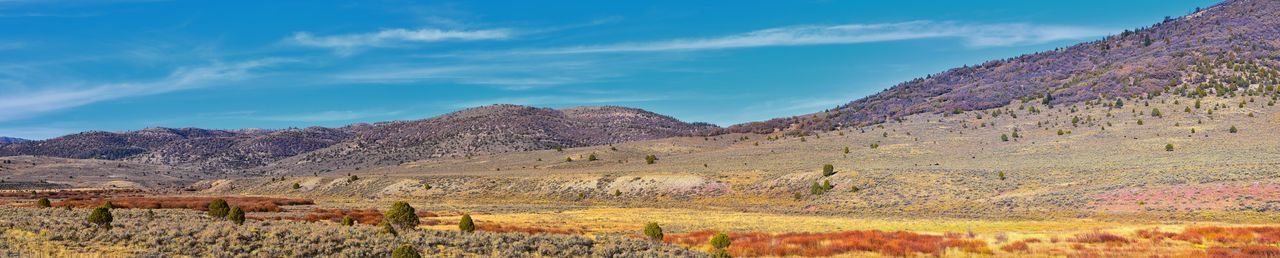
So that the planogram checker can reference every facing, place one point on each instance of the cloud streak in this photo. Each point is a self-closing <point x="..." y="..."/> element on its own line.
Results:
<point x="21" y="105"/>
<point x="514" y="75"/>
<point x="395" y="37"/>
<point x="973" y="35"/>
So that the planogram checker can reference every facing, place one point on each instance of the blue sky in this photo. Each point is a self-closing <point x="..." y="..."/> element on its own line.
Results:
<point x="68" y="66"/>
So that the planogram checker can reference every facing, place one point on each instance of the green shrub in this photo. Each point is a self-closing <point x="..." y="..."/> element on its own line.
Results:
<point x="405" y="251"/>
<point x="43" y="203"/>
<point x="592" y="157"/>
<point x="828" y="170"/>
<point x="466" y="224"/>
<point x="296" y="186"/>
<point x="1168" y="147"/>
<point x="401" y="215"/>
<point x="101" y="216"/>
<point x="817" y="189"/>
<point x="218" y="208"/>
<point x="1004" y="137"/>
<point x="236" y="215"/>
<point x="1233" y="129"/>
<point x="653" y="231"/>
<point x="846" y="150"/>
<point x="386" y="228"/>
<point x="650" y="159"/>
<point x="826" y="185"/>
<point x="353" y="178"/>
<point x="348" y="221"/>
<point x="1001" y="175"/>
<point x="720" y="241"/>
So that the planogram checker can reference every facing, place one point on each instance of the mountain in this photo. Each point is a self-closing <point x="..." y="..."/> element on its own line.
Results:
<point x="12" y="140"/>
<point x="488" y="130"/>
<point x="482" y="130"/>
<point x="1226" y="49"/>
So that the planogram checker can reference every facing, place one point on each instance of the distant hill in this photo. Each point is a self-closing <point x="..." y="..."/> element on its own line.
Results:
<point x="1218" y="50"/>
<point x="488" y="130"/>
<point x="482" y="130"/>
<point x="4" y="139"/>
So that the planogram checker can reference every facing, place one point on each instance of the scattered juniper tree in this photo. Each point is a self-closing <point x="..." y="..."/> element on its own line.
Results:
<point x="218" y="208"/>
<point x="101" y="217"/>
<point x="828" y="170"/>
<point x="353" y="178"/>
<point x="1233" y="129"/>
<point x="816" y="189"/>
<point x="720" y="241"/>
<point x="466" y="225"/>
<point x="1168" y="147"/>
<point x="386" y="228"/>
<point x="43" y="203"/>
<point x="401" y="215"/>
<point x="1004" y="137"/>
<point x="405" y="251"/>
<point x="236" y="215"/>
<point x="653" y="231"/>
<point x="650" y="159"/>
<point x="592" y="157"/>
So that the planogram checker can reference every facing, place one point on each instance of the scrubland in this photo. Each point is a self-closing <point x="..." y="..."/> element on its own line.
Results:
<point x="1118" y="181"/>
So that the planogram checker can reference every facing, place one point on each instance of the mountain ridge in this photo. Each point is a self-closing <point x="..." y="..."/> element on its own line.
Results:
<point x="232" y="151"/>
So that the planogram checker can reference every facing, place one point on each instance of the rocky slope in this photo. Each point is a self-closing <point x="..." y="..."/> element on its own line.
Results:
<point x="4" y="139"/>
<point x="1179" y="55"/>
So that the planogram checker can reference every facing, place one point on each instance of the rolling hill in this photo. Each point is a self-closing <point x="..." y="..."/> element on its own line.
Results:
<point x="482" y="130"/>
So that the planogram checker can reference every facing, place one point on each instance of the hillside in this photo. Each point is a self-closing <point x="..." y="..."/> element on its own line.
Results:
<point x="1220" y="50"/>
<point x="483" y="130"/>
<point x="4" y="139"/>
<point x="487" y="130"/>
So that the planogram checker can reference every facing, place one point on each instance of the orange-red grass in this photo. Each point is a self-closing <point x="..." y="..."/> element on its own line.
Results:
<point x="898" y="243"/>
<point x="248" y="204"/>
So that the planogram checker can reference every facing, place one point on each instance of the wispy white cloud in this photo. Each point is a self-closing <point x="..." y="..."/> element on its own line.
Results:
<point x="974" y="35"/>
<point x="512" y="75"/>
<point x="393" y="37"/>
<point x="25" y="104"/>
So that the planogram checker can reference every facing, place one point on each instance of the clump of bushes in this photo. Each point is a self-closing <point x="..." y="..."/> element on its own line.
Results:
<point x="236" y="215"/>
<point x="218" y="208"/>
<point x="101" y="217"/>
<point x="466" y="224"/>
<point x="405" y="251"/>
<point x="721" y="243"/>
<point x="401" y="215"/>
<point x="653" y="231"/>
